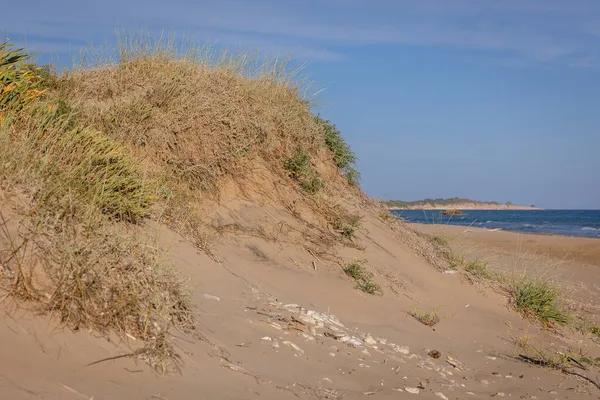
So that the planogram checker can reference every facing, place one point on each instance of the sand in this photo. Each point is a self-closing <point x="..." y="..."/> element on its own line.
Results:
<point x="240" y="298"/>
<point x="571" y="262"/>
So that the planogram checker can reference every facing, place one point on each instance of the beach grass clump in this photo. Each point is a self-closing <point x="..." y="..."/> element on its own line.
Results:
<point x="300" y="169"/>
<point x="538" y="298"/>
<point x="387" y="217"/>
<point x="246" y="109"/>
<point x="346" y="224"/>
<point x="478" y="268"/>
<point x="439" y="240"/>
<point x="48" y="147"/>
<point x="70" y="256"/>
<point x="343" y="156"/>
<point x="19" y="81"/>
<point x="363" y="278"/>
<point x="428" y="318"/>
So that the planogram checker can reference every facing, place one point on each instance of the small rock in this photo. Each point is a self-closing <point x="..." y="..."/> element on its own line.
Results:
<point x="553" y="392"/>
<point x="275" y="345"/>
<point x="293" y="308"/>
<point x="450" y="272"/>
<point x="366" y="352"/>
<point x="369" y="340"/>
<point x="293" y="346"/>
<point x="485" y="382"/>
<point x="305" y="319"/>
<point x="275" y="325"/>
<point x="491" y="358"/>
<point x="435" y="354"/>
<point x="355" y="342"/>
<point x="441" y="395"/>
<point x="332" y="354"/>
<point x="211" y="297"/>
<point x="499" y="394"/>
<point x="327" y="380"/>
<point x="412" y="390"/>
<point x="381" y="340"/>
<point x="400" y="349"/>
<point x="336" y="335"/>
<point x="267" y="338"/>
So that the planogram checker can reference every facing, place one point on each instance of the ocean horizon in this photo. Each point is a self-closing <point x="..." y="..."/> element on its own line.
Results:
<point x="580" y="223"/>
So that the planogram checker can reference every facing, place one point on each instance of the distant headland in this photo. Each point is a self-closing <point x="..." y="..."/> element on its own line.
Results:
<point x="454" y="203"/>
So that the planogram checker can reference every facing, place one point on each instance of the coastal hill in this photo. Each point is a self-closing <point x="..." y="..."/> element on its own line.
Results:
<point x="454" y="203"/>
<point x="178" y="224"/>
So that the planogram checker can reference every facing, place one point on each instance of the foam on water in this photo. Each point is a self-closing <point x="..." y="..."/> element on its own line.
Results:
<point x="584" y="223"/>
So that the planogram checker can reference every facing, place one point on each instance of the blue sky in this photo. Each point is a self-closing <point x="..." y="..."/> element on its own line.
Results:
<point x="487" y="99"/>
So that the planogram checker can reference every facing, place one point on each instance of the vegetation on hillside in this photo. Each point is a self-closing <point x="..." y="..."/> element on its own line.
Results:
<point x="155" y="125"/>
<point x="441" y="202"/>
<point x="343" y="156"/>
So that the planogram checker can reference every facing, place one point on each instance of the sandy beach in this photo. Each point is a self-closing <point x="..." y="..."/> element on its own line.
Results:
<point x="567" y="248"/>
<point x="573" y="263"/>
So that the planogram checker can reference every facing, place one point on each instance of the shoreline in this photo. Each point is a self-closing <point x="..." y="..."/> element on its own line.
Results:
<point x="477" y="228"/>
<point x="466" y="208"/>
<point x="573" y="248"/>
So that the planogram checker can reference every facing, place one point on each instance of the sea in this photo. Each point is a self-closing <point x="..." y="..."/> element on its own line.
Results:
<point x="583" y="223"/>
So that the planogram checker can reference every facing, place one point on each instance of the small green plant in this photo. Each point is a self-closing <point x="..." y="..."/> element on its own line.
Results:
<point x="538" y="298"/>
<point x="439" y="240"/>
<point x="300" y="170"/>
<point x="429" y="318"/>
<point x="343" y="156"/>
<point x="477" y="268"/>
<point x="312" y="185"/>
<point x="363" y="278"/>
<point x="387" y="216"/>
<point x="346" y="225"/>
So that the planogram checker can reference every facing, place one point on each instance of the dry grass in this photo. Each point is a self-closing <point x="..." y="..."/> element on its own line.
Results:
<point x="428" y="318"/>
<point x="149" y="129"/>
<point x="571" y="361"/>
<point x="69" y="255"/>
<point x="197" y="114"/>
<point x="193" y="117"/>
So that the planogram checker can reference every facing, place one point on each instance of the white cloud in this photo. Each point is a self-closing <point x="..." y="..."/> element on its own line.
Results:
<point x="539" y="31"/>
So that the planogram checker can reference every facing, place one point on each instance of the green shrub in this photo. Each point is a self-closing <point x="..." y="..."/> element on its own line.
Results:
<point x="477" y="268"/>
<point x="538" y="298"/>
<point x="343" y="156"/>
<point x="300" y="170"/>
<point x="363" y="278"/>
<point x="346" y="225"/>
